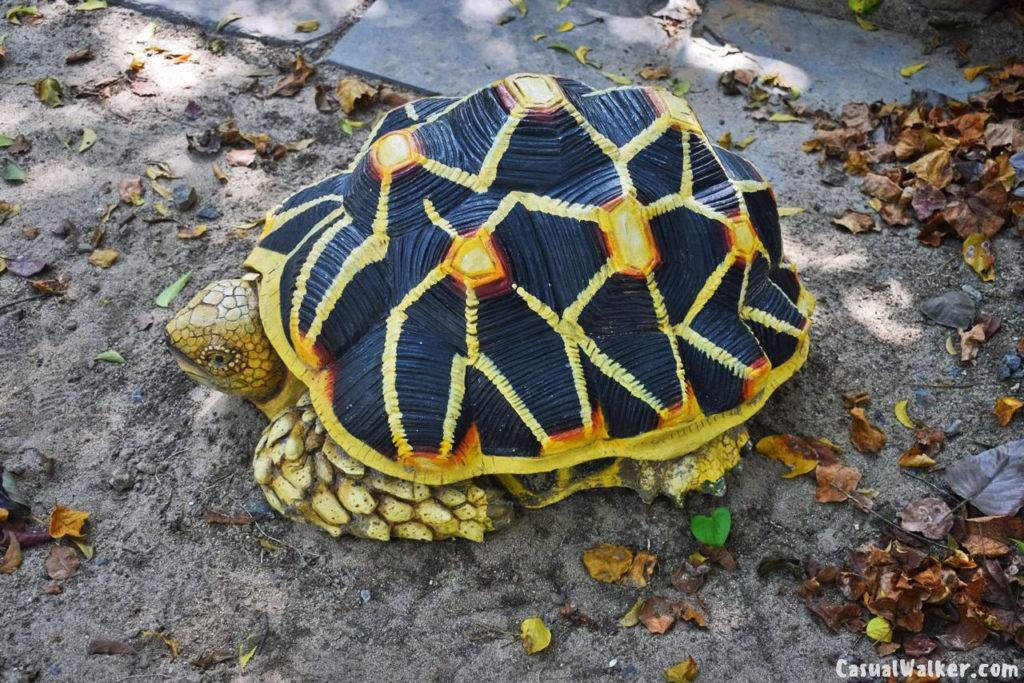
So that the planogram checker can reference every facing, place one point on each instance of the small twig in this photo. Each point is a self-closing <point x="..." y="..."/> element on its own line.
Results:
<point x="924" y="481"/>
<point x="12" y="304"/>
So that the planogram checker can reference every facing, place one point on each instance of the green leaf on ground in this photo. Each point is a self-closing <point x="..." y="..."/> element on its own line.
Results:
<point x="13" y="173"/>
<point x="90" y="5"/>
<point x="778" y="117"/>
<point x="225" y="20"/>
<point x="308" y="26"/>
<point x="88" y="140"/>
<point x="164" y="298"/>
<point x="15" y="13"/>
<point x="5" y="141"/>
<point x="616" y="78"/>
<point x="714" y="530"/>
<point x="864" y="23"/>
<point x="520" y="6"/>
<point x="111" y="356"/>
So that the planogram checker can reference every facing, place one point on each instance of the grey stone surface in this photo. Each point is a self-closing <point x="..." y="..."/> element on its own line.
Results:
<point x="451" y="46"/>
<point x="267" y="19"/>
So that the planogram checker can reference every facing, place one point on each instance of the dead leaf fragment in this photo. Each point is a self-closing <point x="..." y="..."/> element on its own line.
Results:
<point x="290" y="84"/>
<point x="800" y="454"/>
<point x="642" y="568"/>
<point x="929" y="516"/>
<point x="657" y="615"/>
<point x="836" y="482"/>
<point x="607" y="563"/>
<point x="534" y="634"/>
<point x="102" y="646"/>
<point x="12" y="556"/>
<point x="61" y="563"/>
<point x="865" y="436"/>
<point x="855" y="221"/>
<point x="979" y="254"/>
<point x="131" y="191"/>
<point x="241" y="157"/>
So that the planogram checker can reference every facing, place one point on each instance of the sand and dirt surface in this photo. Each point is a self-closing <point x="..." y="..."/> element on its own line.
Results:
<point x="145" y="451"/>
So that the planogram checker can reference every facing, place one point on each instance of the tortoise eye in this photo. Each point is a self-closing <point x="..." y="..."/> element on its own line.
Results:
<point x="219" y="359"/>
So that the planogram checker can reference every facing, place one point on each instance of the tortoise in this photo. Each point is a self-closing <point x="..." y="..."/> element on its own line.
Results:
<point x="535" y="289"/>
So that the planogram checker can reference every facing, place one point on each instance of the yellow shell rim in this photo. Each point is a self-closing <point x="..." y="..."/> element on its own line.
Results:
<point x="659" y="444"/>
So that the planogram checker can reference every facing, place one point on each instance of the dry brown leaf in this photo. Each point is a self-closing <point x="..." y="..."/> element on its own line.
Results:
<point x="290" y="84"/>
<point x="655" y="73"/>
<point x="61" y="563"/>
<point x="929" y="516"/>
<point x="131" y="190"/>
<point x="801" y="454"/>
<point x="881" y="187"/>
<point x="865" y="436"/>
<point x="67" y="522"/>
<point x="241" y="157"/>
<point x="607" y="563"/>
<point x="855" y="221"/>
<point x="657" y="614"/>
<point x="353" y="94"/>
<point x="12" y="556"/>
<point x="834" y="481"/>
<point x="682" y="672"/>
<point x="970" y="341"/>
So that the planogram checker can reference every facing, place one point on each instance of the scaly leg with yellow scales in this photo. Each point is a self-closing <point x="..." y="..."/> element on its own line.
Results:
<point x="307" y="477"/>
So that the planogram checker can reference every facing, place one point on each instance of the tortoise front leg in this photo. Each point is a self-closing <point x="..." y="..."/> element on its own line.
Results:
<point x="307" y="477"/>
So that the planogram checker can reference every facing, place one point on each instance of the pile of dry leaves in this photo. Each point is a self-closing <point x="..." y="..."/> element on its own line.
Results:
<point x="955" y="167"/>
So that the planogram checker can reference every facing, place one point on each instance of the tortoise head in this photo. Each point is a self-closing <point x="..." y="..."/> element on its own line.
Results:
<point x="218" y="340"/>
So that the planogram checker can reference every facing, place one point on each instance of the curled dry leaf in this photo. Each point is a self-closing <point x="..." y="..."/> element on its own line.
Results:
<point x="61" y="563"/>
<point x="657" y="615"/>
<point x="354" y="94"/>
<point x="970" y="342"/>
<point x="290" y="84"/>
<point x="801" y="454"/>
<point x="865" y="436"/>
<point x="130" y="190"/>
<point x="535" y="635"/>
<point x="928" y="516"/>
<point x="689" y="578"/>
<point x="855" y="221"/>
<point x="1006" y="407"/>
<point x="67" y="522"/>
<point x="927" y="442"/>
<point x="632" y="617"/>
<point x="607" y="563"/>
<point x="641" y="569"/>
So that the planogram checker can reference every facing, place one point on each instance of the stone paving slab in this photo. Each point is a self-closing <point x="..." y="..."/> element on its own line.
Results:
<point x="266" y="19"/>
<point x="453" y="46"/>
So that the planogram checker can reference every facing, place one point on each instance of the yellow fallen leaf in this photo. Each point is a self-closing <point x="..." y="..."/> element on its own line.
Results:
<point x="538" y="36"/>
<point x="745" y="142"/>
<point x="616" y="78"/>
<point x="903" y="414"/>
<point x="950" y="346"/>
<point x="783" y="118"/>
<point x="308" y="26"/>
<point x="535" y="635"/>
<point x="786" y="211"/>
<point x="912" y="69"/>
<point x="245" y="655"/>
<point x="104" y="258"/>
<point x="879" y="629"/>
<point x="191" y="233"/>
<point x="972" y="72"/>
<point x="915" y="457"/>
<point x="683" y="672"/>
<point x="566" y="26"/>
<point x="864" y="23"/>
<point x="581" y="55"/>
<point x="725" y="140"/>
<point x="3" y="511"/>
<point x="1006" y="407"/>
<point x="353" y="93"/>
<point x="797" y="453"/>
<point x="980" y="256"/>
<point x="607" y="563"/>
<point x="67" y="522"/>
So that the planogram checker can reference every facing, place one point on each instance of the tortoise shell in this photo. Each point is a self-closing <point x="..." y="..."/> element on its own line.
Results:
<point x="533" y="276"/>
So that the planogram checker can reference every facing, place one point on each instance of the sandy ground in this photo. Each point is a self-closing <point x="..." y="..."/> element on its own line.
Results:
<point x="145" y="451"/>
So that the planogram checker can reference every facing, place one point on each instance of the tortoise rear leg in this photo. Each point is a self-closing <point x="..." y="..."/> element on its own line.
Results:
<point x="307" y="477"/>
<point x="701" y="470"/>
